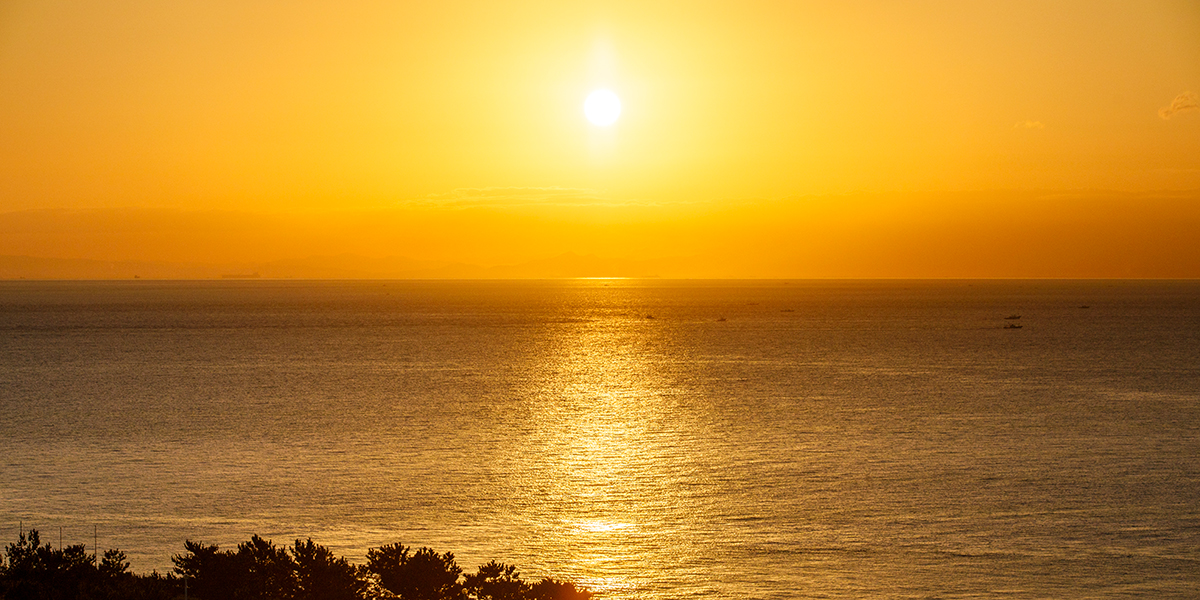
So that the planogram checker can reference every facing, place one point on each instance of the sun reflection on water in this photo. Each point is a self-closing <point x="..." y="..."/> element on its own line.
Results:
<point x="601" y="526"/>
<point x="603" y="464"/>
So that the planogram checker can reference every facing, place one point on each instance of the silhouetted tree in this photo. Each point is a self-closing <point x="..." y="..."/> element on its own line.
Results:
<point x="128" y="586"/>
<point x="25" y="572"/>
<point x="320" y="576"/>
<point x="113" y="564"/>
<point x="496" y="581"/>
<point x="37" y="572"/>
<point x="387" y="563"/>
<point x="425" y="575"/>
<point x="270" y="573"/>
<point x="258" y="570"/>
<point x="551" y="589"/>
<point x="211" y="573"/>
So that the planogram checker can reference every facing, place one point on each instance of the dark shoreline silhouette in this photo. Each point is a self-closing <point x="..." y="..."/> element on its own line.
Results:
<point x="259" y="570"/>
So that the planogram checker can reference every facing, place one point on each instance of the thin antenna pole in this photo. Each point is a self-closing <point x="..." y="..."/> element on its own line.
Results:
<point x="60" y="546"/>
<point x="95" y="541"/>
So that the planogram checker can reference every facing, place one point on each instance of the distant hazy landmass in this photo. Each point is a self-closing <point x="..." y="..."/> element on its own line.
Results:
<point x="342" y="266"/>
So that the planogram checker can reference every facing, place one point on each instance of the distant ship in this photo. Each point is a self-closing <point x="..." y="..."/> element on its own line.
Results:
<point x="1012" y="326"/>
<point x="240" y="276"/>
<point x="1013" y="317"/>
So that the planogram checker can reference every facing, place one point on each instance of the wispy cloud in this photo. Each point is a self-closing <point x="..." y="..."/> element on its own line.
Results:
<point x="1183" y="102"/>
<point x="1029" y="125"/>
<point x="517" y="196"/>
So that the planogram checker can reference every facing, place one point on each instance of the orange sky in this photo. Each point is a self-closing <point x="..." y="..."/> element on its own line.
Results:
<point x="776" y="139"/>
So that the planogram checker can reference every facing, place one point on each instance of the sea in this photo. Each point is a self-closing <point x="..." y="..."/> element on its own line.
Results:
<point x="648" y="439"/>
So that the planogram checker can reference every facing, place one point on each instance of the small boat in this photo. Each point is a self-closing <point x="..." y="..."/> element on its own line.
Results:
<point x="1012" y="326"/>
<point x="721" y="320"/>
<point x="1011" y="317"/>
<point x="1084" y="306"/>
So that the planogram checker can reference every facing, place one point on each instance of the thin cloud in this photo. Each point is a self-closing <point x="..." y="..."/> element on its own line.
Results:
<point x="1029" y="125"/>
<point x="1182" y="103"/>
<point x="513" y="197"/>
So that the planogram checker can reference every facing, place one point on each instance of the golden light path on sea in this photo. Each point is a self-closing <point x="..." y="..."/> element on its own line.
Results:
<point x="608" y="456"/>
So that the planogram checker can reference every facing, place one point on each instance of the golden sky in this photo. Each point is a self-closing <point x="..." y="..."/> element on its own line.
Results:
<point x="779" y="139"/>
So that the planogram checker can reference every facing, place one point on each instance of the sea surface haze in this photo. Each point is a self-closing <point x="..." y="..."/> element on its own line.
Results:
<point x="650" y="439"/>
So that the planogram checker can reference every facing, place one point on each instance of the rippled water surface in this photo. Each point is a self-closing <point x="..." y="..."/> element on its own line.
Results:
<point x="651" y="439"/>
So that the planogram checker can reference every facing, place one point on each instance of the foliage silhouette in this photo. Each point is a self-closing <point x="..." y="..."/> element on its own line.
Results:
<point x="496" y="581"/>
<point x="270" y="571"/>
<point x="387" y="563"/>
<point x="320" y="576"/>
<point x="210" y="572"/>
<point x="259" y="570"/>
<point x="113" y="564"/>
<point x="552" y="589"/>
<point x="425" y="575"/>
<point x="32" y="571"/>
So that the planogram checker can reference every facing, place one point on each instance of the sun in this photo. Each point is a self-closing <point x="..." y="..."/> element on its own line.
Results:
<point x="602" y="107"/>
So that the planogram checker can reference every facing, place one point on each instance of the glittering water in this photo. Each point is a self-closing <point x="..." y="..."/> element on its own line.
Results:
<point x="751" y="440"/>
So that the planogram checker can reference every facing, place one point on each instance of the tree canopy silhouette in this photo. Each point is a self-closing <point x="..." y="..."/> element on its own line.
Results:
<point x="31" y="570"/>
<point x="259" y="570"/>
<point x="496" y="581"/>
<point x="321" y="576"/>
<point x="425" y="575"/>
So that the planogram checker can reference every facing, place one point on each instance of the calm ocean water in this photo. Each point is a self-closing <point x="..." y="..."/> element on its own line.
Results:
<point x="751" y="440"/>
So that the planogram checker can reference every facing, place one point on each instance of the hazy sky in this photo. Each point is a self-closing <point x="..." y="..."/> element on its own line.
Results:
<point x="778" y="136"/>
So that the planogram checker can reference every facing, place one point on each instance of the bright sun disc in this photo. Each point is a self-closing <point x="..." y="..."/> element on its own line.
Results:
<point x="602" y="107"/>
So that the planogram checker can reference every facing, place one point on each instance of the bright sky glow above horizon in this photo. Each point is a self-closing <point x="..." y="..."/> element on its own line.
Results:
<point x="743" y="124"/>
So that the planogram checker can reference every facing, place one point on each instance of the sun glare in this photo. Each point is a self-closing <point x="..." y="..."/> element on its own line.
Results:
<point x="602" y="107"/>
